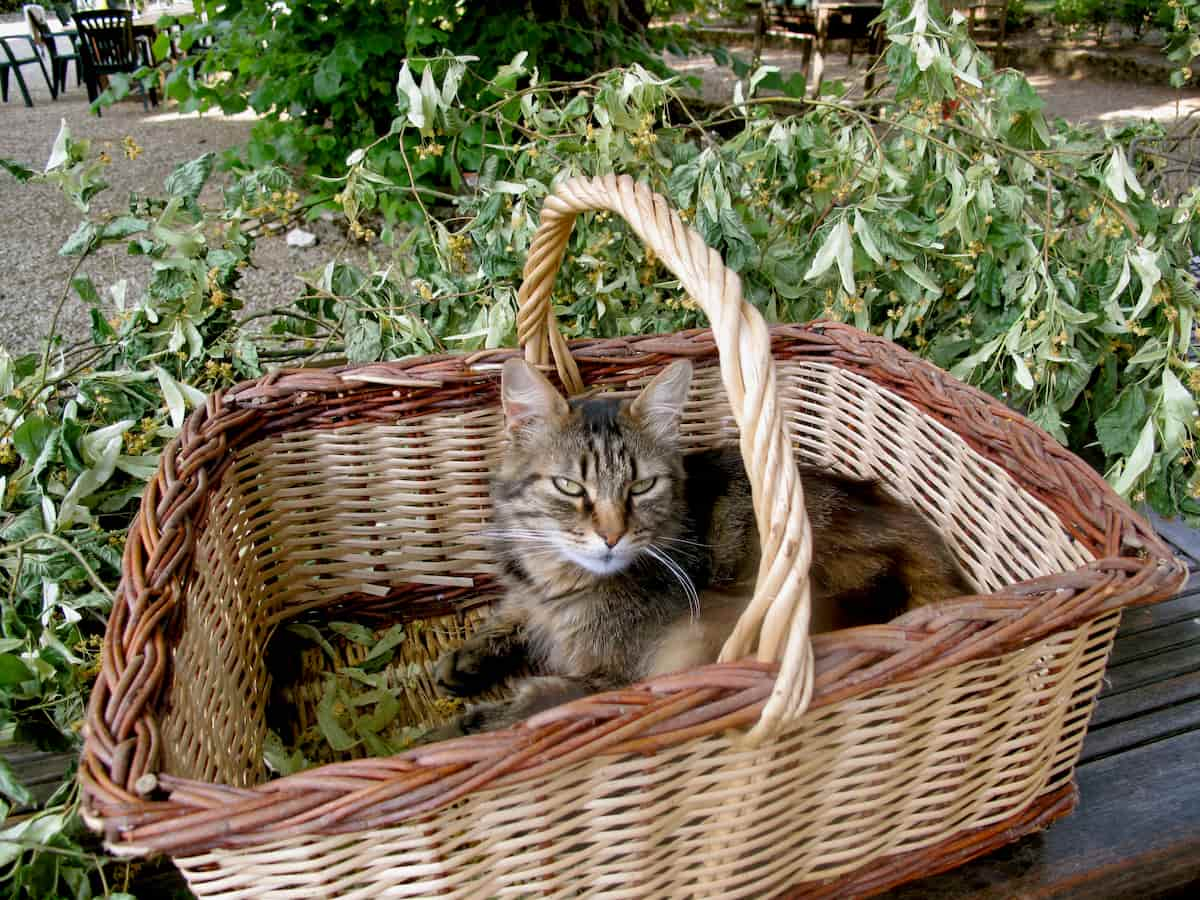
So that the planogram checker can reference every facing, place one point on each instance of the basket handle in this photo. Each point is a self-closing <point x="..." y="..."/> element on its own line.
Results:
<point x="780" y="611"/>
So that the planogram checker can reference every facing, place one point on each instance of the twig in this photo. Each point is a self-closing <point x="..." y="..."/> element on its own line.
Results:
<point x="62" y="300"/>
<point x="54" y="538"/>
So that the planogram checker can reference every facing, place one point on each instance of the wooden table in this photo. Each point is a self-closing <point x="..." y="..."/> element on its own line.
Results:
<point x="1136" y="830"/>
<point x="828" y="20"/>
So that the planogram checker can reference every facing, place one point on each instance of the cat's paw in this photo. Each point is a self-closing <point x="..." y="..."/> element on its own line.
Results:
<point x="471" y="721"/>
<point x="463" y="672"/>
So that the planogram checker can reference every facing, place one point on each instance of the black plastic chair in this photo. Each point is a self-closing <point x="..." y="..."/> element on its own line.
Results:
<point x="107" y="47"/>
<point x="11" y="60"/>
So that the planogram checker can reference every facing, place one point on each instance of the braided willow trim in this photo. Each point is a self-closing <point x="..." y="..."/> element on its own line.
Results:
<point x="777" y="618"/>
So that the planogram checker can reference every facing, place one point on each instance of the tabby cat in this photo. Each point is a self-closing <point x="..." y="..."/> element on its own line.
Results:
<point x="623" y="558"/>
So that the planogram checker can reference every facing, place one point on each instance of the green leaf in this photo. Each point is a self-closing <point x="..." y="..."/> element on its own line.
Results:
<point x="337" y="736"/>
<point x="1117" y="429"/>
<point x="245" y="354"/>
<point x="1137" y="461"/>
<point x="188" y="179"/>
<point x="1177" y="412"/>
<point x="327" y="83"/>
<point x="387" y="707"/>
<point x="13" y="670"/>
<point x="864" y="233"/>
<point x="311" y="633"/>
<point x="360" y="634"/>
<point x="31" y="437"/>
<point x="82" y="240"/>
<point x="177" y="395"/>
<point x="279" y="760"/>
<point x="18" y="171"/>
<point x="383" y="649"/>
<point x="837" y="248"/>
<point x="10" y="787"/>
<point x="364" y="342"/>
<point x="123" y="227"/>
<point x="1048" y="418"/>
<point x="27" y="523"/>
<point x="1021" y="370"/>
<point x="38" y="829"/>
<point x="86" y="290"/>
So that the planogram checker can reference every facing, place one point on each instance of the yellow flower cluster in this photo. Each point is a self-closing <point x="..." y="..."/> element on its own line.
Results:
<point x="433" y="148"/>
<point x="644" y="138"/>
<point x="135" y="443"/>
<point x="459" y="246"/>
<point x="218" y="371"/>
<point x="362" y="232"/>
<point x="131" y="148"/>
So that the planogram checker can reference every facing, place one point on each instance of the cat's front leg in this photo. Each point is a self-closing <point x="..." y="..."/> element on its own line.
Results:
<point x="484" y="660"/>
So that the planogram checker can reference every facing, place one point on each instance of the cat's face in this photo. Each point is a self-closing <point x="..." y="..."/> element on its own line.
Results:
<point x="591" y="485"/>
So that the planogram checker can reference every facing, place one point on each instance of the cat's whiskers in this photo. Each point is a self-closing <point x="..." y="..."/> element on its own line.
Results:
<point x="684" y="581"/>
<point x="684" y="541"/>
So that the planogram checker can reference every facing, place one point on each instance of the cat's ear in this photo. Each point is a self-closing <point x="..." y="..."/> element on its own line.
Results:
<point x="659" y="407"/>
<point x="529" y="400"/>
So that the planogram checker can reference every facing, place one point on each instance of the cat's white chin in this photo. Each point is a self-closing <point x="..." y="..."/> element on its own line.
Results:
<point x="599" y="564"/>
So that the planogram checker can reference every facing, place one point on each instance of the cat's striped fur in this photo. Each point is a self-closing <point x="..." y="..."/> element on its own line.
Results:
<point x="623" y="558"/>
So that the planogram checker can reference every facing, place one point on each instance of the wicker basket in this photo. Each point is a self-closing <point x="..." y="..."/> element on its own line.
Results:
<point x="837" y="766"/>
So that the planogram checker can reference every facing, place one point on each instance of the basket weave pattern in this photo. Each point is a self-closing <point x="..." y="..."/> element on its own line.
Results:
<point x="925" y="740"/>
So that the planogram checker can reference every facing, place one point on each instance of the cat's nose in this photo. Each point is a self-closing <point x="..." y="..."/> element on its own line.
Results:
<point x="611" y="537"/>
<point x="608" y="521"/>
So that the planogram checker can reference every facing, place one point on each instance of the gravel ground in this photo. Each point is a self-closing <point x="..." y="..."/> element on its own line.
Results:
<point x="35" y="219"/>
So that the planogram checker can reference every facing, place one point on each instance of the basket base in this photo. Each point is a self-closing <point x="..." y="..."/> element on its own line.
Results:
<point x="893" y="871"/>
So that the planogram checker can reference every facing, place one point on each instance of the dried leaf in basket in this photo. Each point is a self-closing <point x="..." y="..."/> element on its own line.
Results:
<point x="346" y="691"/>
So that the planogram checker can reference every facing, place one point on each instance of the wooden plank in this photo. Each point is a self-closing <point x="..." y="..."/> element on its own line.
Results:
<point x="1184" y="540"/>
<point x="1159" y="667"/>
<point x="1182" y="607"/>
<point x="1150" y="641"/>
<point x="1136" y="833"/>
<point x="41" y="773"/>
<point x="1140" y="730"/>
<point x="1146" y="699"/>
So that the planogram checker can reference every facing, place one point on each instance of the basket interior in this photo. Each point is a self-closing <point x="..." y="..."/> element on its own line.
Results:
<point x="337" y="523"/>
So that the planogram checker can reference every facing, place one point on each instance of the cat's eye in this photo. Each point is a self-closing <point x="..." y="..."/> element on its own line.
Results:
<point x="641" y="486"/>
<point x="567" y="486"/>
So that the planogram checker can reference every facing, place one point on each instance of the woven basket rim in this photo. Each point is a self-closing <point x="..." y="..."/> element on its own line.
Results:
<point x="121" y="751"/>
